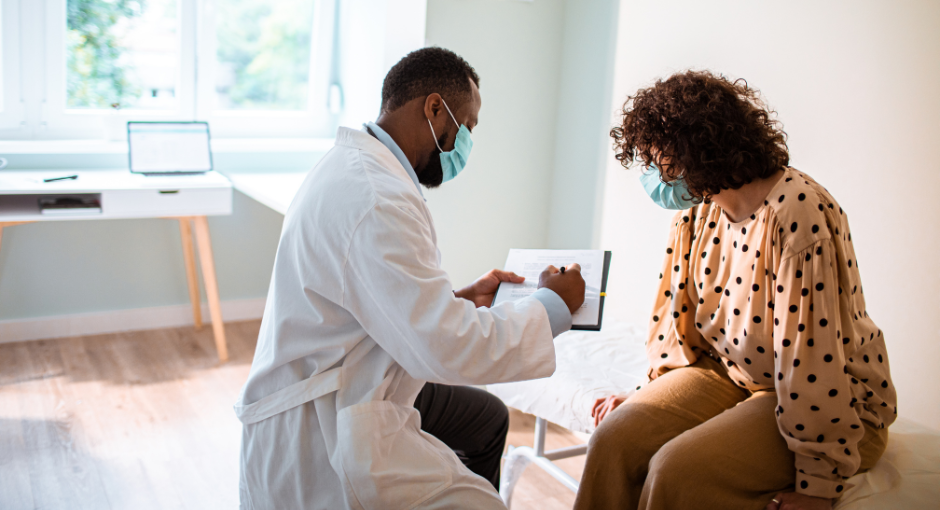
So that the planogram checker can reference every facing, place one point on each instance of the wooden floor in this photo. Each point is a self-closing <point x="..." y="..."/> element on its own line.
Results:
<point x="144" y="420"/>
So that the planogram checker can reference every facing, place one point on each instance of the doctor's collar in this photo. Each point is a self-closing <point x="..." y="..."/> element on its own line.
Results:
<point x="373" y="129"/>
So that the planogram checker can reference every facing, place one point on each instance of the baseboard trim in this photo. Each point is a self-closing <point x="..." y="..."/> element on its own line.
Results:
<point x="158" y="317"/>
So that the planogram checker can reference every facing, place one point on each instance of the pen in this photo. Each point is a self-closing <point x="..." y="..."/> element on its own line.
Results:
<point x="64" y="178"/>
<point x="562" y="269"/>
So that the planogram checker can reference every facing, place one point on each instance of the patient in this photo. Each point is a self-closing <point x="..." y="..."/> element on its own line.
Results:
<point x="769" y="382"/>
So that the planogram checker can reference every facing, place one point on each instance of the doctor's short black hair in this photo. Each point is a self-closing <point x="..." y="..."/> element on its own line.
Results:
<point x="424" y="72"/>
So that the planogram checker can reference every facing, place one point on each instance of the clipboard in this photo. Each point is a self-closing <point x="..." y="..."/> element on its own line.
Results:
<point x="600" y="313"/>
<point x="602" y="292"/>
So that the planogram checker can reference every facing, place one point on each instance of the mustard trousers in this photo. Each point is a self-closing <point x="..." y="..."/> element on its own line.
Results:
<point x="694" y="439"/>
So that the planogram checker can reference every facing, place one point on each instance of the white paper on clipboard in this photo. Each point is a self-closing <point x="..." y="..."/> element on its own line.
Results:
<point x="531" y="263"/>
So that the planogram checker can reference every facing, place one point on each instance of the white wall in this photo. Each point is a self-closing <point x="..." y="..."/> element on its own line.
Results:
<point x="396" y="27"/>
<point x="857" y="86"/>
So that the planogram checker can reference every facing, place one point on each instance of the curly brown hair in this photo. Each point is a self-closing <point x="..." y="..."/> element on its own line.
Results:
<point x="715" y="133"/>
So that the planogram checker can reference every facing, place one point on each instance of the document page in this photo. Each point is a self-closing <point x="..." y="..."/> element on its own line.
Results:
<point x="531" y="263"/>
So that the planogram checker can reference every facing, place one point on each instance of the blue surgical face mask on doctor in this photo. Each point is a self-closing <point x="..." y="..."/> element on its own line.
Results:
<point x="668" y="195"/>
<point x="452" y="162"/>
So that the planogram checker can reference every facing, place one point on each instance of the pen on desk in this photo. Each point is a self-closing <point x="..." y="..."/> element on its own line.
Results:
<point x="64" y="178"/>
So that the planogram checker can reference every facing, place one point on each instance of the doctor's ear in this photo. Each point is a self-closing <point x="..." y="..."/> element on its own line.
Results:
<point x="433" y="106"/>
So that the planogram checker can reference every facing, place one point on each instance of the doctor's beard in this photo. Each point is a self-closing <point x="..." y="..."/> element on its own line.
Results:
<point x="432" y="174"/>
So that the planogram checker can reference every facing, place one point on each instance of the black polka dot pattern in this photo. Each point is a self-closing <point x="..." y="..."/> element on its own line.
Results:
<point x="769" y="297"/>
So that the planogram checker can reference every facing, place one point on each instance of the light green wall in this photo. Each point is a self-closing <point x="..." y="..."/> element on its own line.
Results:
<point x="545" y="70"/>
<point x="61" y="268"/>
<point x="582" y="147"/>
<point x="540" y="63"/>
<point x="502" y="199"/>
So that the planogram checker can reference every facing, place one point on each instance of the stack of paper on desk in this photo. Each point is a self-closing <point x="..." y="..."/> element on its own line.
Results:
<point x="530" y="263"/>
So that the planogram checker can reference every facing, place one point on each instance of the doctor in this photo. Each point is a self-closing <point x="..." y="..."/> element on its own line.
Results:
<point x="361" y="319"/>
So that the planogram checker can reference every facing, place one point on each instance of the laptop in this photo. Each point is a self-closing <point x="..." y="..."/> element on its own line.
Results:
<point x="169" y="148"/>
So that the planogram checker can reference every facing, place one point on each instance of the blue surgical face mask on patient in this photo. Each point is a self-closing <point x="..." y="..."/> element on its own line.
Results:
<point x="452" y="162"/>
<point x="668" y="195"/>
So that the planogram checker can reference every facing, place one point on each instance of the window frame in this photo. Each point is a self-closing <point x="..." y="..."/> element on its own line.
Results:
<point x="64" y="122"/>
<point x="12" y="103"/>
<point x="44" y="114"/>
<point x="370" y="34"/>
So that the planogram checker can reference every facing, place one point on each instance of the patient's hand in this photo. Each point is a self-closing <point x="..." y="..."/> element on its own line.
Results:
<point x="797" y="501"/>
<point x="482" y="291"/>
<point x="603" y="407"/>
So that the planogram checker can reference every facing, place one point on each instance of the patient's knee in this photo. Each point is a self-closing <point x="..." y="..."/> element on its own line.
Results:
<point x="618" y="441"/>
<point x="675" y="465"/>
<point x="624" y="424"/>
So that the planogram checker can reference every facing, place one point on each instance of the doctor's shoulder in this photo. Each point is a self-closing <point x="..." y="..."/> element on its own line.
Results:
<point x="388" y="187"/>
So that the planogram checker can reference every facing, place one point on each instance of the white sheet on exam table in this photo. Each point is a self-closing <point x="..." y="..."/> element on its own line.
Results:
<point x="590" y="365"/>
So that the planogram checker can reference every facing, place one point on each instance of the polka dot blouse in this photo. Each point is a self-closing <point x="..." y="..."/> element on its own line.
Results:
<point x="777" y="299"/>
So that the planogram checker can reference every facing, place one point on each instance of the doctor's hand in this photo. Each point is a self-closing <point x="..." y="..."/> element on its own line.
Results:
<point x="568" y="285"/>
<point x="482" y="291"/>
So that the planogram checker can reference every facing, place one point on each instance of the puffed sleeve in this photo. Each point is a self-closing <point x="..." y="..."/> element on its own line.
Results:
<point x="816" y="413"/>
<point x="674" y="341"/>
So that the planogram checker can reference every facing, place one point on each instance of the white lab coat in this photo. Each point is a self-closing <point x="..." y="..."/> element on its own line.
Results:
<point x="359" y="316"/>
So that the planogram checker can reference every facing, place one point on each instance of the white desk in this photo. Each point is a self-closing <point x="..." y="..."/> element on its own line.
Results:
<point x="186" y="198"/>
<point x="275" y="190"/>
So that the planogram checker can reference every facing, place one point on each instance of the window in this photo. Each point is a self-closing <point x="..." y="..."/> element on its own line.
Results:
<point x="80" y="69"/>
<point x="1" y="58"/>
<point x="11" y="111"/>
<point x="122" y="54"/>
<point x="262" y="56"/>
<point x="253" y="68"/>
<point x="267" y="66"/>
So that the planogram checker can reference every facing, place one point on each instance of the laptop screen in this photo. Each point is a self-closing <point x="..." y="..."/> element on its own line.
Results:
<point x="169" y="147"/>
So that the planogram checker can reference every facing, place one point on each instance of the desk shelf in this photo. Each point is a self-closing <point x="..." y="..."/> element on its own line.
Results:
<point x="121" y="194"/>
<point x="17" y="208"/>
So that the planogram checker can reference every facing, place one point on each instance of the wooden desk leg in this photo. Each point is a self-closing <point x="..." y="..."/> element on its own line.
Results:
<point x="212" y="288"/>
<point x="189" y="257"/>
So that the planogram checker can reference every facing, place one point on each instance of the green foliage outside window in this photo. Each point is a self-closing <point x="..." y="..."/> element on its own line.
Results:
<point x="263" y="50"/>
<point x="265" y="46"/>
<point x="97" y="77"/>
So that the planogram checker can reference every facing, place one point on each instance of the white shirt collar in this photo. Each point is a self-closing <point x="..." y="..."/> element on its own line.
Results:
<point x="387" y="140"/>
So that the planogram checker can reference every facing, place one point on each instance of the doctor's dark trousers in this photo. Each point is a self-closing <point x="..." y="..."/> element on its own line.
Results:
<point x="472" y="422"/>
